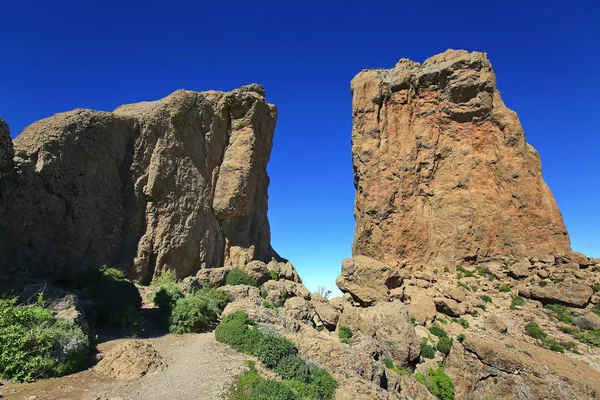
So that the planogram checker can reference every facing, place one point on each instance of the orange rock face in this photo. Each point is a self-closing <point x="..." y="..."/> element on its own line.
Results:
<point x="441" y="167"/>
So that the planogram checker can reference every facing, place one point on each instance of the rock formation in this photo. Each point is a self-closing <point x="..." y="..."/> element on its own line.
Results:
<point x="442" y="170"/>
<point x="178" y="183"/>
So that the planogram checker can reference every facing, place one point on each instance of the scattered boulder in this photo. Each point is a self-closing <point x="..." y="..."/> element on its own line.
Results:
<point x="569" y="293"/>
<point x="130" y="360"/>
<point x="284" y="270"/>
<point x="422" y="308"/>
<point x="213" y="276"/>
<point x="328" y="315"/>
<point x="258" y="271"/>
<point x="367" y="280"/>
<point x="450" y="307"/>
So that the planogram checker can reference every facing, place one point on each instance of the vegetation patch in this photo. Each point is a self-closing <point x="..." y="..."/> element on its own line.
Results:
<point x="589" y="337"/>
<point x="115" y="300"/>
<point x="35" y="345"/>
<point x="437" y="331"/>
<point x="504" y="288"/>
<point x="444" y="345"/>
<point x="167" y="276"/>
<point x="389" y="364"/>
<point x="427" y="351"/>
<point x="560" y="312"/>
<point x="274" y="275"/>
<point x="301" y="379"/>
<point x="461" y="321"/>
<point x="517" y="302"/>
<point x="194" y="313"/>
<point x="536" y="332"/>
<point x="345" y="334"/>
<point x="438" y="383"/>
<point x="239" y="277"/>
<point x="485" y="298"/>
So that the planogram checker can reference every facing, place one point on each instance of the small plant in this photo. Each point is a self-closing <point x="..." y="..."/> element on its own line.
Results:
<point x="413" y="320"/>
<point x="239" y="277"/>
<point x="323" y="291"/>
<point x="461" y="338"/>
<point x="167" y="296"/>
<point x="267" y="304"/>
<point x="517" y="302"/>
<point x="482" y="306"/>
<point x="389" y="364"/>
<point x="274" y="275"/>
<point x="191" y="314"/>
<point x="535" y="331"/>
<point x="271" y="349"/>
<point x="272" y="390"/>
<point x="465" y="273"/>
<point x="435" y="271"/>
<point x="442" y="321"/>
<point x="264" y="293"/>
<point x="438" y="383"/>
<point x="462" y="285"/>
<point x="446" y="269"/>
<point x="461" y="321"/>
<point x="560" y="312"/>
<point x="427" y="351"/>
<point x="166" y="277"/>
<point x="596" y="287"/>
<point x="437" y="331"/>
<point x="485" y="298"/>
<point x="217" y="299"/>
<point x="504" y="288"/>
<point x="589" y="337"/>
<point x="345" y="334"/>
<point x="444" y="345"/>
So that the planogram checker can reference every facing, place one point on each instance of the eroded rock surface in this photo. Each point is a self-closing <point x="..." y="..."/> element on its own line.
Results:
<point x="178" y="183"/>
<point x="441" y="167"/>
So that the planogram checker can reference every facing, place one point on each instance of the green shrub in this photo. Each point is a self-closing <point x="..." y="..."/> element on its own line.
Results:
<point x="517" y="301"/>
<point x="504" y="288"/>
<point x="191" y="314"/>
<point x="267" y="304"/>
<point x="461" y="338"/>
<point x="166" y="297"/>
<point x="239" y="277"/>
<point x="590" y="337"/>
<point x="438" y="383"/>
<point x="465" y="273"/>
<point x="322" y="384"/>
<point x="245" y="383"/>
<point x="482" y="306"/>
<point x="596" y="287"/>
<point x="444" y="345"/>
<point x="115" y="300"/>
<point x="274" y="275"/>
<point x="271" y="349"/>
<point x="239" y="332"/>
<point x="308" y="380"/>
<point x="389" y="363"/>
<point x="535" y="331"/>
<point x="427" y="351"/>
<point x="217" y="299"/>
<point x="166" y="277"/>
<point x="442" y="321"/>
<point x="560" y="312"/>
<point x="34" y="345"/>
<point x="461" y="321"/>
<point x="264" y="293"/>
<point x="293" y="367"/>
<point x="485" y="298"/>
<point x="272" y="390"/>
<point x="437" y="331"/>
<point x="345" y="334"/>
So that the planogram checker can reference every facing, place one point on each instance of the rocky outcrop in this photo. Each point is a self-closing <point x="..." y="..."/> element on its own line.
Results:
<point x="367" y="280"/>
<point x="130" y="360"/>
<point x="178" y="183"/>
<point x="442" y="170"/>
<point x="6" y="148"/>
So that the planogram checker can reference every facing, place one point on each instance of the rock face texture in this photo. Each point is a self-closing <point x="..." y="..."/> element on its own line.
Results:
<point x="178" y="183"/>
<point x="441" y="167"/>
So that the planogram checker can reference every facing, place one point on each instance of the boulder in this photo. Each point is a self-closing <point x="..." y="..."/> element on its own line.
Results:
<point x="284" y="270"/>
<point x="387" y="323"/>
<point x="213" y="276"/>
<point x="66" y="304"/>
<point x="442" y="170"/>
<point x="569" y="293"/>
<point x="421" y="308"/>
<point x="258" y="271"/>
<point x="328" y="315"/>
<point x="179" y="183"/>
<point x="450" y="307"/>
<point x="367" y="280"/>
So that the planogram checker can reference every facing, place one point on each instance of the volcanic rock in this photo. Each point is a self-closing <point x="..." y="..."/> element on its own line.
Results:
<point x="178" y="183"/>
<point x="442" y="170"/>
<point x="6" y="148"/>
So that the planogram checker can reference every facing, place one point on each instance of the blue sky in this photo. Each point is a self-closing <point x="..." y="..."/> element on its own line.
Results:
<point x="61" y="55"/>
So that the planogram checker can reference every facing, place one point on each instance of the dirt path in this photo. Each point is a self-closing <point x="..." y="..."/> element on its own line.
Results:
<point x="198" y="367"/>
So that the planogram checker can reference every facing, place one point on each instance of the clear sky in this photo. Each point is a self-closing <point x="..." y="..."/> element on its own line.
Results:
<point x="59" y="55"/>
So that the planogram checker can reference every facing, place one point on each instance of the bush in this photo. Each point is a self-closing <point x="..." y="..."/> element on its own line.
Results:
<point x="389" y="363"/>
<point x="583" y="322"/>
<point x="438" y="331"/>
<point x="293" y="367"/>
<point x="461" y="338"/>
<point x="560" y="312"/>
<point x="485" y="298"/>
<point x="444" y="345"/>
<point x="239" y="277"/>
<point x="427" y="351"/>
<point x="217" y="299"/>
<point x="461" y="321"/>
<point x="504" y="288"/>
<point x="115" y="300"/>
<point x="271" y="349"/>
<point x="167" y="296"/>
<point x="272" y="390"/>
<point x="517" y="301"/>
<point x="274" y="275"/>
<point x="345" y="334"/>
<point x="34" y="345"/>
<point x="438" y="383"/>
<point x="596" y="287"/>
<point x="191" y="314"/>
<point x="239" y="332"/>
<point x="535" y="331"/>
<point x="245" y="384"/>
<point x="166" y="277"/>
